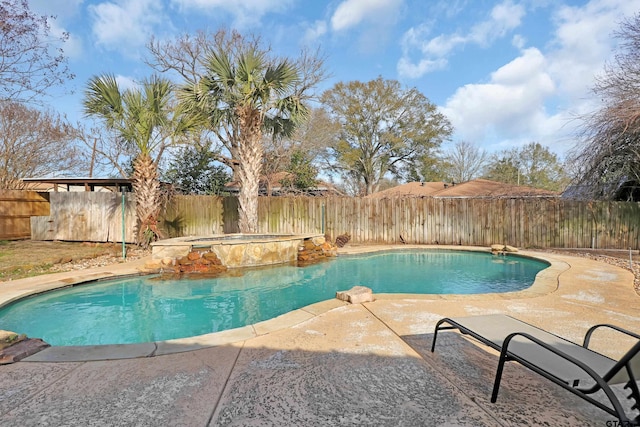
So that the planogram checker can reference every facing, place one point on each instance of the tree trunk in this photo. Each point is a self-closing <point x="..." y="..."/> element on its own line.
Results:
<point x="368" y="186"/>
<point x="147" y="190"/>
<point x="250" y="153"/>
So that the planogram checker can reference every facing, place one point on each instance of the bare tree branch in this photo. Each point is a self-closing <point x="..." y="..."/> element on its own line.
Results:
<point x="465" y="161"/>
<point x="34" y="143"/>
<point x="608" y="158"/>
<point x="30" y="64"/>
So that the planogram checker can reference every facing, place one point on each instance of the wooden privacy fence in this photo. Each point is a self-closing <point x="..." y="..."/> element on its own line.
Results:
<point x="525" y="222"/>
<point x="16" y="209"/>
<point x="193" y="216"/>
<point x="87" y="217"/>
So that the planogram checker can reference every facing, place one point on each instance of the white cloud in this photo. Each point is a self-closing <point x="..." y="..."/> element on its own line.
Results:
<point x="518" y="41"/>
<point x="351" y="13"/>
<point x="441" y="45"/>
<point x="538" y="95"/>
<point x="449" y="8"/>
<point x="415" y="69"/>
<point x="315" y="31"/>
<point x="522" y="69"/>
<point x="412" y="70"/>
<point x="125" y="24"/>
<point x="503" y="18"/>
<point x="583" y="42"/>
<point x="126" y="83"/>
<point x="511" y="104"/>
<point x="373" y="20"/>
<point x="245" y="12"/>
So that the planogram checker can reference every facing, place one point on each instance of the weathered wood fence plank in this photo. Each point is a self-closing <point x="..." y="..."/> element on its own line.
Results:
<point x="87" y="217"/>
<point x="192" y="216"/>
<point x="16" y="209"/>
<point x="526" y="223"/>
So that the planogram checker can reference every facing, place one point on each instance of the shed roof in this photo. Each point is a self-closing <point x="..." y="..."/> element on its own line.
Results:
<point x="88" y="183"/>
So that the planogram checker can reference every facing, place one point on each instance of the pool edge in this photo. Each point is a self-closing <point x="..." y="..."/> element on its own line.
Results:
<point x="546" y="282"/>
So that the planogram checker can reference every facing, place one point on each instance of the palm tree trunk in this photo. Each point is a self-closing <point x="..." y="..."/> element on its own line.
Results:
<point x="147" y="189"/>
<point x="250" y="153"/>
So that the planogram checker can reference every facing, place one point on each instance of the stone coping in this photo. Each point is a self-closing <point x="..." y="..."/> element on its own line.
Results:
<point x="228" y="239"/>
<point x="546" y="282"/>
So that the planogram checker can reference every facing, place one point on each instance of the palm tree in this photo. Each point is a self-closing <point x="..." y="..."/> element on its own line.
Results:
<point x="253" y="96"/>
<point x="144" y="120"/>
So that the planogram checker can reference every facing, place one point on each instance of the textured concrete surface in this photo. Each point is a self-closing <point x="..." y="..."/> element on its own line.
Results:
<point x="160" y="391"/>
<point x="337" y="364"/>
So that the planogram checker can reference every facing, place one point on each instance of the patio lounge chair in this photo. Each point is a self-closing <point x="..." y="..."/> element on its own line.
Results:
<point x="575" y="367"/>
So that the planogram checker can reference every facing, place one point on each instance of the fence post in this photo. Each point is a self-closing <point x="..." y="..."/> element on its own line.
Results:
<point x="124" y="246"/>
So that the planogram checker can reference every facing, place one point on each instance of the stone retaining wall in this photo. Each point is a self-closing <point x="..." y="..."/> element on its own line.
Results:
<point x="207" y="259"/>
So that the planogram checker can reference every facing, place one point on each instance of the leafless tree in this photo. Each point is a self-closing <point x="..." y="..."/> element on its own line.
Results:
<point x="317" y="133"/>
<point x="108" y="155"/>
<point x="34" y="143"/>
<point x="464" y="161"/>
<point x="31" y="63"/>
<point x="608" y="157"/>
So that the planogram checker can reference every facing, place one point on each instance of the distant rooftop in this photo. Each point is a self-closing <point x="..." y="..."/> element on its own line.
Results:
<point x="475" y="188"/>
<point x="411" y="189"/>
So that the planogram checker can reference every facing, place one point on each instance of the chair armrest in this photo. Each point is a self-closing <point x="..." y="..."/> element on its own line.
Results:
<point x="523" y="360"/>
<point x="600" y="383"/>
<point x="592" y="329"/>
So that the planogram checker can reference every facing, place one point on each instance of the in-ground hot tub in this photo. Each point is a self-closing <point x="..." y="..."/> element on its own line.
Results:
<point x="236" y="250"/>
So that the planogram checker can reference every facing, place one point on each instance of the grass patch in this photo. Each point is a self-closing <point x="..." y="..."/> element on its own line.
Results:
<point x="21" y="272"/>
<point x="26" y="258"/>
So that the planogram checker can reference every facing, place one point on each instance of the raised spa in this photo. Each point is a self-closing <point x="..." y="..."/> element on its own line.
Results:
<point x="237" y="250"/>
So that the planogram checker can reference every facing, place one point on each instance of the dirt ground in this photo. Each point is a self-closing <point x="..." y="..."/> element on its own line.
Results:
<point x="26" y="258"/>
<point x="614" y="253"/>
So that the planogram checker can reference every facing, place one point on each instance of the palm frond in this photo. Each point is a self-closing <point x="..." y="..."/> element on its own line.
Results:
<point x="278" y="125"/>
<point x="103" y="99"/>
<point x="292" y="107"/>
<point x="282" y="77"/>
<point x="221" y="72"/>
<point x="157" y="94"/>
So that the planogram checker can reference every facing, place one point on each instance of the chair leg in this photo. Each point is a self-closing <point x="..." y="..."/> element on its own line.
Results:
<point x="496" y="383"/>
<point x="433" y="343"/>
<point x="633" y="387"/>
<point x="435" y="332"/>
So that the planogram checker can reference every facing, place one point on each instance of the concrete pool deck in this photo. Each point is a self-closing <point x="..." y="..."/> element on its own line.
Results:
<point x="328" y="364"/>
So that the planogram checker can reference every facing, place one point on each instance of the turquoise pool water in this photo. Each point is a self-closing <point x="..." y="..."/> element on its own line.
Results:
<point x="145" y="309"/>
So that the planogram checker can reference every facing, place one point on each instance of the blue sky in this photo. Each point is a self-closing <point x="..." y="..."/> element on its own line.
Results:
<point x="505" y="72"/>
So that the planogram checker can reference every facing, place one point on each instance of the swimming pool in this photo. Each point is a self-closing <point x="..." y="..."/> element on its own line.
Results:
<point x="146" y="309"/>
